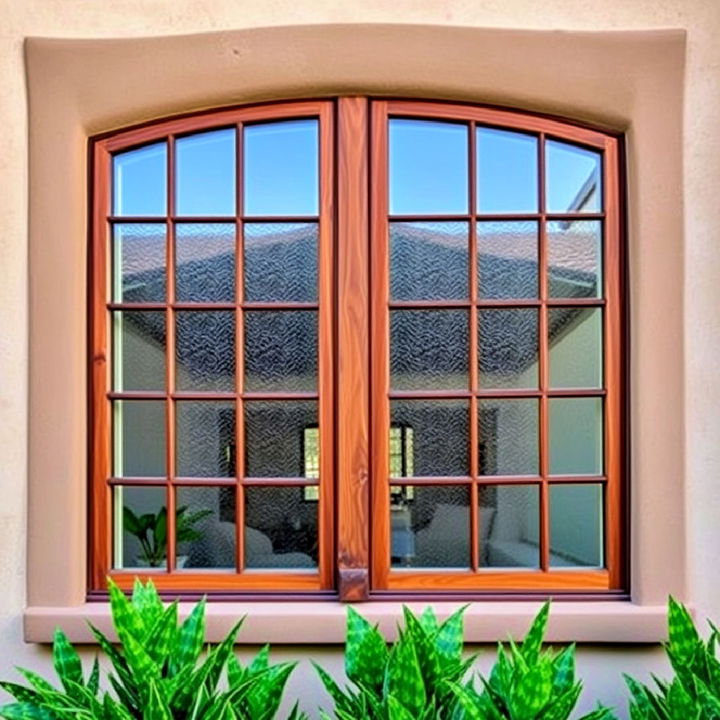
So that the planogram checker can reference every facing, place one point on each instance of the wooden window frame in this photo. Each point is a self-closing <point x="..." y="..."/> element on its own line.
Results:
<point x="354" y="370"/>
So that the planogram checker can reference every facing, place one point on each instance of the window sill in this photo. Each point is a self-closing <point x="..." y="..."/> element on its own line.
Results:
<point x="324" y="623"/>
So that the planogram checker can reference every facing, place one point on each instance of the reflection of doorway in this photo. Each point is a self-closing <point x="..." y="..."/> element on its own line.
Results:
<point x="226" y="462"/>
<point x="487" y="452"/>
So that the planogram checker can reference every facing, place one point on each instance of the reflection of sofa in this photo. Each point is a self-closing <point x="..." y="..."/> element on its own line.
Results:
<point x="216" y="549"/>
<point x="444" y="542"/>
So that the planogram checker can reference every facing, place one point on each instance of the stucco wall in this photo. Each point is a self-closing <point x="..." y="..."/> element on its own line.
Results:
<point x="601" y="665"/>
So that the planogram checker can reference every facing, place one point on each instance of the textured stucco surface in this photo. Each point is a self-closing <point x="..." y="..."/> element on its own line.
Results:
<point x="701" y="145"/>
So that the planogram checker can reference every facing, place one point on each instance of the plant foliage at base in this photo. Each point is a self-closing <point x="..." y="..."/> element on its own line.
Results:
<point x="410" y="680"/>
<point x="694" y="692"/>
<point x="158" y="672"/>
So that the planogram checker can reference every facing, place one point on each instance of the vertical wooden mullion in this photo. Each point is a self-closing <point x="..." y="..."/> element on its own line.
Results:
<point x="613" y="376"/>
<point x="170" y="358"/>
<point x="239" y="353"/>
<point x="353" y="405"/>
<point x="543" y="369"/>
<point x="101" y="502"/>
<point x="474" y="381"/>
<point x="326" y="350"/>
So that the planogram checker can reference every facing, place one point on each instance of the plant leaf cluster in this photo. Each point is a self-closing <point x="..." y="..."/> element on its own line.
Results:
<point x="412" y="680"/>
<point x="528" y="682"/>
<point x="694" y="692"/>
<point x="158" y="672"/>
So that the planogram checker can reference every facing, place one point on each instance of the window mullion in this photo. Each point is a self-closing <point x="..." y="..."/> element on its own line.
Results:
<point x="353" y="393"/>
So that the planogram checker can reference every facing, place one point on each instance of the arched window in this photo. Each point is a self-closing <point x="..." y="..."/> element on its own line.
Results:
<point x="358" y="347"/>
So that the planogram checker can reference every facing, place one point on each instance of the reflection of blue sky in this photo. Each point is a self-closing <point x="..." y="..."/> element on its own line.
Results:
<point x="281" y="168"/>
<point x="206" y="173"/>
<point x="428" y="171"/>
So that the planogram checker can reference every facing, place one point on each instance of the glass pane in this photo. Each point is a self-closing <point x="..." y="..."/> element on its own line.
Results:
<point x="507" y="172"/>
<point x="429" y="349"/>
<point x="576" y="525"/>
<point x="428" y="167"/>
<point x="205" y="182"/>
<point x="508" y="526"/>
<point x="205" y="262"/>
<point x="575" y="342"/>
<point x="508" y="262"/>
<point x="428" y="261"/>
<point x="575" y="259"/>
<point x="508" y="436"/>
<point x="139" y="438"/>
<point x="576" y="437"/>
<point x="140" y="181"/>
<point x="205" y="350"/>
<point x="281" y="168"/>
<point x="573" y="181"/>
<point x="281" y="528"/>
<point x="205" y="527"/>
<point x="440" y="435"/>
<point x="138" y="350"/>
<point x="205" y="445"/>
<point x="274" y="433"/>
<point x="311" y="457"/>
<point x="139" y="257"/>
<point x="139" y="527"/>
<point x="281" y="262"/>
<point x="430" y="526"/>
<point x="281" y="350"/>
<point x="508" y="348"/>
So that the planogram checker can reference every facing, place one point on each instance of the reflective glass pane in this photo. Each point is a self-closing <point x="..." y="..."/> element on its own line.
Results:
<point x="205" y="176"/>
<point x="281" y="168"/>
<point x="428" y="167"/>
<point x="281" y="350"/>
<point x="576" y="436"/>
<point x="429" y="260"/>
<point x="576" y="342"/>
<point x="139" y="527"/>
<point x="507" y="171"/>
<point x="274" y="433"/>
<point x="139" y="259"/>
<point x="508" y="436"/>
<point x="205" y="262"/>
<point x="140" y="181"/>
<point x="575" y="259"/>
<point x="138" y="350"/>
<point x="428" y="349"/>
<point x="508" y="262"/>
<point x="402" y="451"/>
<point x="508" y="348"/>
<point x="439" y="430"/>
<point x="281" y="262"/>
<point x="205" y="350"/>
<point x="205" y="444"/>
<point x="281" y="528"/>
<point x="573" y="178"/>
<point x="205" y="527"/>
<point x="429" y="526"/>
<point x="576" y="525"/>
<point x="139" y="438"/>
<point x="508" y="526"/>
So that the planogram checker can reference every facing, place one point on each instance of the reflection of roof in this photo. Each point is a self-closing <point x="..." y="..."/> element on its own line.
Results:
<point x="507" y="266"/>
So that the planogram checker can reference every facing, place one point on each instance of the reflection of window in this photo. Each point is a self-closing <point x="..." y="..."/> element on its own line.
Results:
<point x="444" y="381"/>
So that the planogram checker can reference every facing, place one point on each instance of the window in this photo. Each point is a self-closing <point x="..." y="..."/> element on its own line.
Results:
<point x="300" y="385"/>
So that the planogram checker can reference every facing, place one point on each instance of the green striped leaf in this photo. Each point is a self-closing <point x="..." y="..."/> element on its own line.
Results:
<point x="564" y="670"/>
<point x="156" y="708"/>
<point x="190" y="639"/>
<point x="161" y="638"/>
<point x="449" y="636"/>
<point x="403" y="678"/>
<point x="684" y="638"/>
<point x="66" y="661"/>
<point x="20" y="692"/>
<point x="366" y="652"/>
<point x="25" y="711"/>
<point x="533" y="640"/>
<point x="126" y="618"/>
<point x="396" y="711"/>
<point x="93" y="683"/>
<point x="532" y="692"/>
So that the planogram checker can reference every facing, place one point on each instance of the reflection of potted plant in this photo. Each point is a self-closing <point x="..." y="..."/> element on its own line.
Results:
<point x="151" y="531"/>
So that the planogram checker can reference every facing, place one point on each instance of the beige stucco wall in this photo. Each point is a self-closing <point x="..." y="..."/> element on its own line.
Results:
<point x="701" y="146"/>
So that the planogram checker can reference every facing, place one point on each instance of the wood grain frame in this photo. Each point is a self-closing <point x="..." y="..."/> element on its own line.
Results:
<point x="354" y="378"/>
